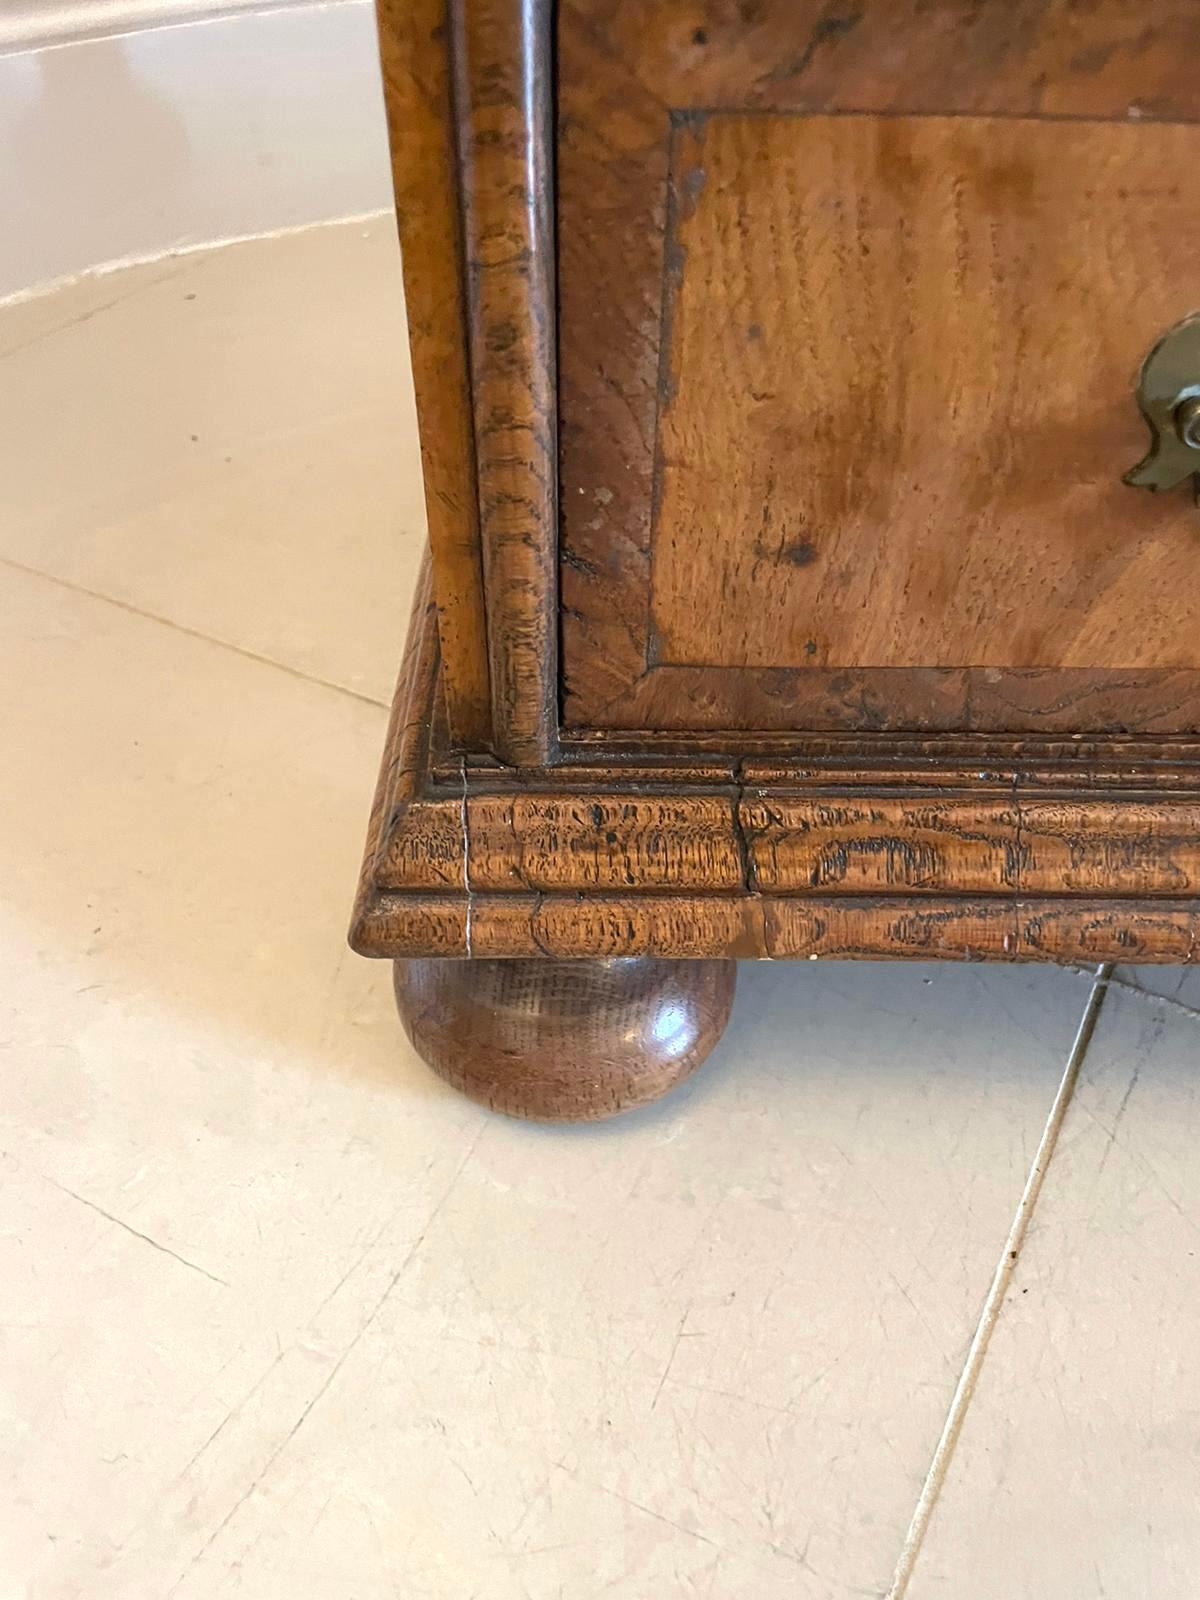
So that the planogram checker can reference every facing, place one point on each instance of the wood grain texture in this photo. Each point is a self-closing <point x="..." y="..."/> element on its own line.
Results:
<point x="612" y="184"/>
<point x="1090" y="58"/>
<point x="564" y="1041"/>
<point x="897" y="407"/>
<point x="504" y="95"/>
<point x="919" y="760"/>
<point x="779" y="928"/>
<point x="764" y="839"/>
<point x="404" y="764"/>
<point x="742" y="705"/>
<point x="753" y="859"/>
<point x="413" y="40"/>
<point x="688" y="61"/>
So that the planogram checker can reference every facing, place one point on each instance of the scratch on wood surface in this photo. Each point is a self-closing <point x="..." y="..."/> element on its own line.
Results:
<point x="466" y="851"/>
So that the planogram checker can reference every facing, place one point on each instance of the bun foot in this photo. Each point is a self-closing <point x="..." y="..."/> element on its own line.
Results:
<point x="564" y="1041"/>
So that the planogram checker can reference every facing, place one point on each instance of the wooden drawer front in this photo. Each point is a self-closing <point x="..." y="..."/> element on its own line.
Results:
<point x="850" y="315"/>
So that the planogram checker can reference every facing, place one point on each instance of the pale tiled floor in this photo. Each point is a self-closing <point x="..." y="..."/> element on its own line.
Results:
<point x="284" y="1317"/>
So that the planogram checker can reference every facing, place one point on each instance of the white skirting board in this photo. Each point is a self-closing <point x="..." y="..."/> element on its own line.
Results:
<point x="124" y="142"/>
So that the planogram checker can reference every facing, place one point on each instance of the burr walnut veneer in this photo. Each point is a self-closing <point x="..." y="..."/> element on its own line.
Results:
<point x="776" y="370"/>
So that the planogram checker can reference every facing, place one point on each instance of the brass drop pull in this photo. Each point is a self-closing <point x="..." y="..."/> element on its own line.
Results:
<point x="1168" y="394"/>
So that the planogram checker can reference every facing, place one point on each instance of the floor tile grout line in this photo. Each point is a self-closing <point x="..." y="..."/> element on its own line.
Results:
<point x="191" y="633"/>
<point x="969" y="1376"/>
<point x="1151" y="995"/>
<point x="55" y="328"/>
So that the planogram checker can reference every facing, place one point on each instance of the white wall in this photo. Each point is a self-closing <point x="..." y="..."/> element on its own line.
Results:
<point x="142" y="131"/>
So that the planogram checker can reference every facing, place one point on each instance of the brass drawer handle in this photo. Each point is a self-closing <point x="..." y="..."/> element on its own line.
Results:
<point x="1168" y="395"/>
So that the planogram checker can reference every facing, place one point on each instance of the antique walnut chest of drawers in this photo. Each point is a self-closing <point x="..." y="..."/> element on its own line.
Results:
<point x="792" y="380"/>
